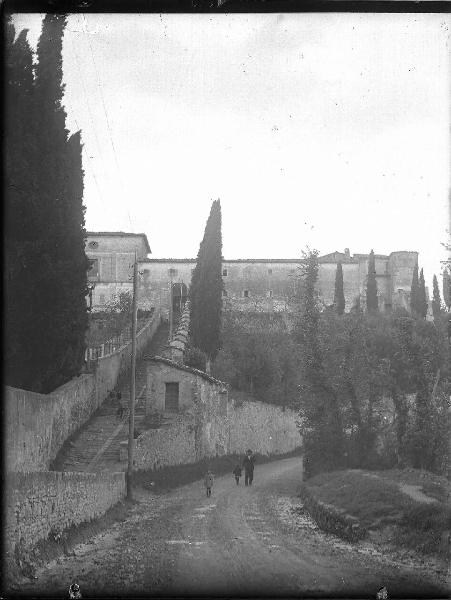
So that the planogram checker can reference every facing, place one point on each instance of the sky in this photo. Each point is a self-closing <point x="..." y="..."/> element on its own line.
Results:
<point x="315" y="130"/>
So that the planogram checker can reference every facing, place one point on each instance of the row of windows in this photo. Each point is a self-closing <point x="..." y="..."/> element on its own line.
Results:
<point x="225" y="272"/>
<point x="94" y="270"/>
<point x="246" y="293"/>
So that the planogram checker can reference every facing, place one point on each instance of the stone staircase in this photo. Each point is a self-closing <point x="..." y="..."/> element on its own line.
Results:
<point x="96" y="446"/>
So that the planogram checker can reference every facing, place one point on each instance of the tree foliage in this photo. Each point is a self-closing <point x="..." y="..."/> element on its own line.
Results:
<point x="422" y="298"/>
<point x="371" y="285"/>
<point x="46" y="264"/>
<point x="414" y="292"/>
<point x="339" y="297"/>
<point x="206" y="288"/>
<point x="436" y="300"/>
<point x="447" y="287"/>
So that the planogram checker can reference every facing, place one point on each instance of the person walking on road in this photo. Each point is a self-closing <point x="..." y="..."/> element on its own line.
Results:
<point x="248" y="466"/>
<point x="209" y="478"/>
<point x="237" y="472"/>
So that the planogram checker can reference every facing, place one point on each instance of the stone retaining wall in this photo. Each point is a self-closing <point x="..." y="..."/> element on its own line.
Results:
<point x="208" y="423"/>
<point x="37" y="425"/>
<point x="46" y="503"/>
<point x="332" y="519"/>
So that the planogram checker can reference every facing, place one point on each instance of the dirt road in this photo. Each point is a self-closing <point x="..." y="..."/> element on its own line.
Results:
<point x="243" y="541"/>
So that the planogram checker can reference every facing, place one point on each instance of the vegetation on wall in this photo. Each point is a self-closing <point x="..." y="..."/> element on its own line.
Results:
<point x="206" y="288"/>
<point x="44" y="236"/>
<point x="372" y="389"/>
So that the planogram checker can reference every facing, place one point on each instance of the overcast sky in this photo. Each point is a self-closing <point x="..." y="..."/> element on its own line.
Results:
<point x="326" y="130"/>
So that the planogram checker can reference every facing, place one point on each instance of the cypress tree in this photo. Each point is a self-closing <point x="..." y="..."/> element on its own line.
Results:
<point x="21" y="206"/>
<point x="53" y="230"/>
<point x="422" y="300"/>
<point x="447" y="288"/>
<point x="414" y="291"/>
<point x="436" y="301"/>
<point x="206" y="288"/>
<point x="371" y="285"/>
<point x="339" y="297"/>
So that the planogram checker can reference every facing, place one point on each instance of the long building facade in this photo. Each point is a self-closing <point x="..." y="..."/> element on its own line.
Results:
<point x="249" y="284"/>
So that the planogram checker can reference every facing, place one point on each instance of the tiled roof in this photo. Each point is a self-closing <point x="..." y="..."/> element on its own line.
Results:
<point x="119" y="234"/>
<point x="171" y="363"/>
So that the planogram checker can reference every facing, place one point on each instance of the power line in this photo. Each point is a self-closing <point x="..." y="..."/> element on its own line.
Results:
<point x="90" y="166"/>
<point x="77" y="60"/>
<point x="105" y="111"/>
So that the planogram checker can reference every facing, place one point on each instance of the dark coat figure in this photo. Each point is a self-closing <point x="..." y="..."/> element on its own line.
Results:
<point x="248" y="466"/>
<point x="208" y="481"/>
<point x="237" y="472"/>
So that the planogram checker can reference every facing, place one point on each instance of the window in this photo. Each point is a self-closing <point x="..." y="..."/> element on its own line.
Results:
<point x="171" y="398"/>
<point x="269" y="271"/>
<point x="93" y="272"/>
<point x="102" y="298"/>
<point x="172" y="272"/>
<point x="269" y="293"/>
<point x="224" y="292"/>
<point x="93" y="245"/>
<point x="224" y="272"/>
<point x="246" y="294"/>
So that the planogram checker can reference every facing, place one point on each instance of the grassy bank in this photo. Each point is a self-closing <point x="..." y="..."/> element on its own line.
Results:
<point x="388" y="510"/>
<point x="172" y="477"/>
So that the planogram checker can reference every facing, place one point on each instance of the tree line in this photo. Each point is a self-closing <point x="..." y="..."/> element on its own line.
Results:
<point x="371" y="388"/>
<point x="45" y="262"/>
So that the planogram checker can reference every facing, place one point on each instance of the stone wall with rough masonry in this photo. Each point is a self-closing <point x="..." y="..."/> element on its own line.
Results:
<point x="37" y="425"/>
<point x="180" y="340"/>
<point x="46" y="503"/>
<point x="265" y="428"/>
<point x="208" y="423"/>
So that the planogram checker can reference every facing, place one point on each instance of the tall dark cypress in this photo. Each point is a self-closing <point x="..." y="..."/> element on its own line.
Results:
<point x="436" y="301"/>
<point x="55" y="265"/>
<point x="414" y="290"/>
<point x="21" y="206"/>
<point x="339" y="297"/>
<point x="447" y="287"/>
<point x="371" y="285"/>
<point x="206" y="288"/>
<point x="422" y="299"/>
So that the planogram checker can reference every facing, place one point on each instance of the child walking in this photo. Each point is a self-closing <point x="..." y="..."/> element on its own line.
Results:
<point x="237" y="472"/>
<point x="209" y="478"/>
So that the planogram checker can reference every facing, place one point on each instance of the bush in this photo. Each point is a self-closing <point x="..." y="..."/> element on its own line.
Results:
<point x="428" y="517"/>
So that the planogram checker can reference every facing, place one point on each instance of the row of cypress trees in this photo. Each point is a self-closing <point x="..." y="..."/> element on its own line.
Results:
<point x="46" y="266"/>
<point x="418" y="297"/>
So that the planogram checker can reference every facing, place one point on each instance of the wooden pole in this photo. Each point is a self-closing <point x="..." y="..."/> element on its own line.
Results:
<point x="171" y="316"/>
<point x="131" y="423"/>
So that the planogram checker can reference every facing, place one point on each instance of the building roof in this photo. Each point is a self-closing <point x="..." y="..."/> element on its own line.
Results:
<point x="356" y="255"/>
<point x="176" y="365"/>
<point x="120" y="234"/>
<point x="224" y="260"/>
<point x="169" y="260"/>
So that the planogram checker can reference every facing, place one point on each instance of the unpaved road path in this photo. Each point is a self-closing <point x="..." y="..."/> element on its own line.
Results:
<point x="243" y="541"/>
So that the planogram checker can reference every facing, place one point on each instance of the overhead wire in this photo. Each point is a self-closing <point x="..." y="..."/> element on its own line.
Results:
<point x="105" y="112"/>
<point x="88" y="104"/>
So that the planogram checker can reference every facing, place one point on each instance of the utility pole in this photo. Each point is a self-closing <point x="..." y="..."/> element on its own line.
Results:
<point x="131" y="424"/>
<point x="171" y="316"/>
